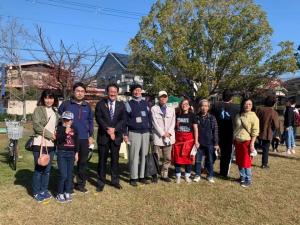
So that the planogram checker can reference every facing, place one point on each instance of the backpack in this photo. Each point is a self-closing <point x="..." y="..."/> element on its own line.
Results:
<point x="297" y="119"/>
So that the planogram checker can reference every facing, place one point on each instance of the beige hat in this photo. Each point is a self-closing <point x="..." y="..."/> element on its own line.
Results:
<point x="161" y="93"/>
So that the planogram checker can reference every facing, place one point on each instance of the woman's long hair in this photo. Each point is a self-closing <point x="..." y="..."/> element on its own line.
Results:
<point x="50" y="94"/>
<point x="179" y="109"/>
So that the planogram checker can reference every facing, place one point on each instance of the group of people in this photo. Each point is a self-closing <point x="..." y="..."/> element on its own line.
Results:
<point x="179" y="136"/>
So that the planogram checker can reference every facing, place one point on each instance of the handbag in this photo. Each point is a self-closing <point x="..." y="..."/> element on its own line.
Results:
<point x="44" y="158"/>
<point x="152" y="165"/>
<point x="29" y="144"/>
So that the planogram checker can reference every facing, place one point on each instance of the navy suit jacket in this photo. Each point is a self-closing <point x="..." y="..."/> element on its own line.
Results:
<point x="104" y="121"/>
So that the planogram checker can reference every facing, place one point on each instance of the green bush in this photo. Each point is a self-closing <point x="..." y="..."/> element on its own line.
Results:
<point x="4" y="116"/>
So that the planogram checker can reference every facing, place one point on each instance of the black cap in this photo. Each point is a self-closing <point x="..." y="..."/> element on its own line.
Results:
<point x="135" y="86"/>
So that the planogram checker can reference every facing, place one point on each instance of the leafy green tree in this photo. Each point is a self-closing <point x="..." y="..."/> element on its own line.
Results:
<point x="199" y="47"/>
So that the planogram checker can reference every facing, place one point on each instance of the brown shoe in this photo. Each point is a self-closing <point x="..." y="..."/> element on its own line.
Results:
<point x="166" y="179"/>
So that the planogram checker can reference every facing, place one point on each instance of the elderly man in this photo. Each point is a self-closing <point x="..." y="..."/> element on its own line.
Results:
<point x="163" y="122"/>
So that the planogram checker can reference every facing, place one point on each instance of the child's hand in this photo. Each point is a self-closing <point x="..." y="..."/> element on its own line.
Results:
<point x="68" y="129"/>
<point x="252" y="149"/>
<point x="113" y="137"/>
<point x="76" y="157"/>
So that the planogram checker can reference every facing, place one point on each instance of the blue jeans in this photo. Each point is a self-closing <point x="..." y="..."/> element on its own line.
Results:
<point x="245" y="174"/>
<point x="188" y="169"/>
<point x="209" y="160"/>
<point x="41" y="174"/>
<point x="65" y="162"/>
<point x="289" y="138"/>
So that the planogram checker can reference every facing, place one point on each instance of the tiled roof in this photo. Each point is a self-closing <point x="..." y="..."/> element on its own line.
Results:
<point x="122" y="59"/>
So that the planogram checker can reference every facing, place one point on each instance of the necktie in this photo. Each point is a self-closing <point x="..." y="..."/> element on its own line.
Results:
<point x="111" y="110"/>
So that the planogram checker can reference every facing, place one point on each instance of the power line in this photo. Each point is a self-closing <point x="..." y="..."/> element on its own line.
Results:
<point x="100" y="11"/>
<point x="96" y="7"/>
<point x="45" y="61"/>
<point x="41" y="50"/>
<point x="66" y="24"/>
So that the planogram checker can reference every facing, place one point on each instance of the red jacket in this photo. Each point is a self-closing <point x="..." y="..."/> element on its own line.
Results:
<point x="181" y="153"/>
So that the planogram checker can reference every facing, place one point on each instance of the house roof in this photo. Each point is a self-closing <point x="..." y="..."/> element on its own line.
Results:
<point x="122" y="59"/>
<point x="29" y="63"/>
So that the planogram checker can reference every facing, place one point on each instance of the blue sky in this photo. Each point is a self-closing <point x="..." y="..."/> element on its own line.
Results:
<point x="90" y="20"/>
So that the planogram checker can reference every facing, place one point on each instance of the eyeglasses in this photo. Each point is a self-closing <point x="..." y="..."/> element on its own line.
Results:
<point x="80" y="91"/>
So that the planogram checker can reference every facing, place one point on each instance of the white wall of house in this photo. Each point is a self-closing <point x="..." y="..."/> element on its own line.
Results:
<point x="16" y="107"/>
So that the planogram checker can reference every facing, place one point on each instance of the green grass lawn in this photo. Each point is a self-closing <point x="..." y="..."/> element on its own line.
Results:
<point x="274" y="197"/>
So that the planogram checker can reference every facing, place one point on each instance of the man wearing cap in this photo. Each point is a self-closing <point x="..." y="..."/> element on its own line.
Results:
<point x="84" y="123"/>
<point x="138" y="126"/>
<point x="163" y="123"/>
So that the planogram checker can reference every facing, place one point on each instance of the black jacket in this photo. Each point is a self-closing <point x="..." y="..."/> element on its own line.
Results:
<point x="289" y="117"/>
<point x="103" y="119"/>
<point x="225" y="125"/>
<point x="67" y="142"/>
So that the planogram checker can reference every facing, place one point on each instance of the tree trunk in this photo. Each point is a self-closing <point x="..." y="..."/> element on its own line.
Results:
<point x="23" y="92"/>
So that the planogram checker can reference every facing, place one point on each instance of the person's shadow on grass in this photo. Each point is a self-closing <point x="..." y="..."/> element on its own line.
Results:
<point x="24" y="178"/>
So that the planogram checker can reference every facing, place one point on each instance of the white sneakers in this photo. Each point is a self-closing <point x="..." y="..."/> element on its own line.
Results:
<point x="197" y="179"/>
<point x="188" y="179"/>
<point x="211" y="180"/>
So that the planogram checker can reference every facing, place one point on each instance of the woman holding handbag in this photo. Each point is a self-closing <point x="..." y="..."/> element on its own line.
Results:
<point x="245" y="133"/>
<point x="45" y="118"/>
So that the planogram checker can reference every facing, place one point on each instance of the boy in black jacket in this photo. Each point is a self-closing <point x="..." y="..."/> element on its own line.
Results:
<point x="67" y="152"/>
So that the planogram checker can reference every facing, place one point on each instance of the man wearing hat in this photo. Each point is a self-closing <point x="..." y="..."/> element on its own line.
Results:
<point x="163" y="123"/>
<point x="138" y="126"/>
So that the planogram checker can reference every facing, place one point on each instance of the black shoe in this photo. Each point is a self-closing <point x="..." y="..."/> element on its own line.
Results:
<point x="154" y="179"/>
<point x="265" y="167"/>
<point x="246" y="184"/>
<point x="100" y="188"/>
<point x="81" y="189"/>
<point x="117" y="186"/>
<point x="133" y="182"/>
<point x="166" y="179"/>
<point x="144" y="181"/>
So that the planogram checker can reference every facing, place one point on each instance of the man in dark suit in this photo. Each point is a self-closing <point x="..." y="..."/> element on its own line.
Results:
<point x="111" y="118"/>
<point x="225" y="113"/>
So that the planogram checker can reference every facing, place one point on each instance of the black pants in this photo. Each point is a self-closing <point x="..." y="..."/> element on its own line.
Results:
<point x="103" y="151"/>
<point x="275" y="143"/>
<point x="83" y="153"/>
<point x="226" y="151"/>
<point x="265" y="145"/>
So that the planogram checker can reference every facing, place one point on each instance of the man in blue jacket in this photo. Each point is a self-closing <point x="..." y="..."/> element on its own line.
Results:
<point x="84" y="123"/>
<point x="138" y="126"/>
